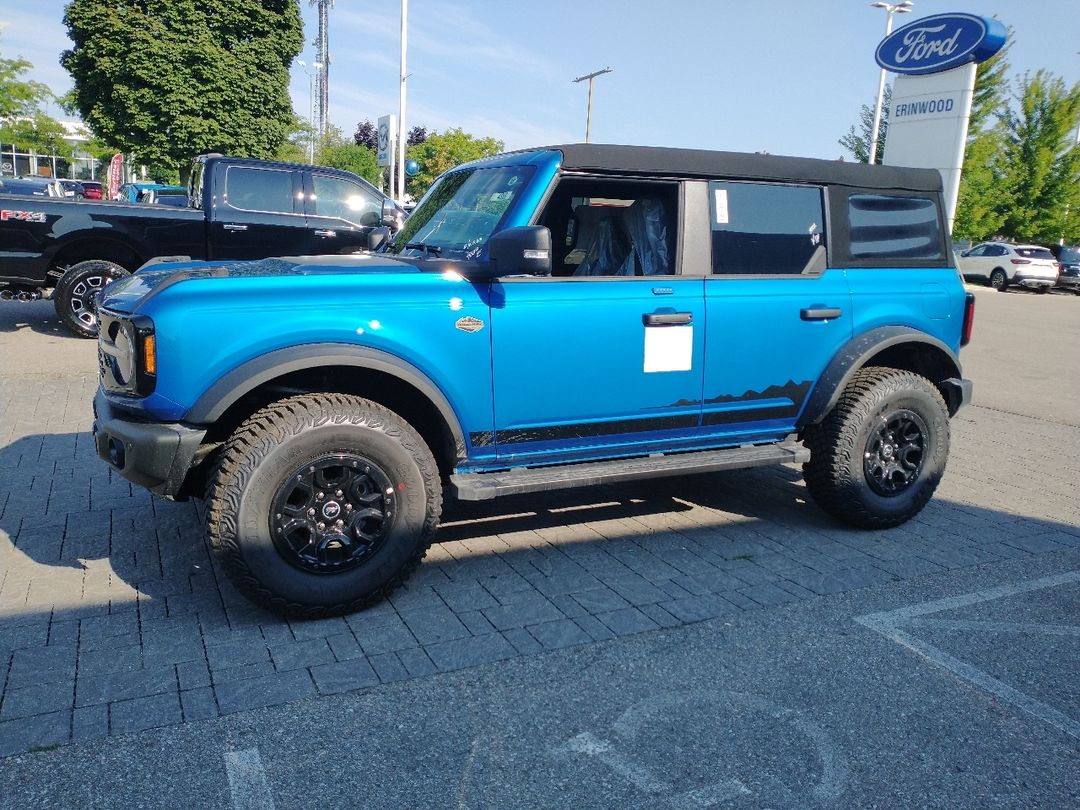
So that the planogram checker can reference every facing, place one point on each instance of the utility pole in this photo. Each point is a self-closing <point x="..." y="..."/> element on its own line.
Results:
<point x="588" y="115"/>
<point x="401" y="104"/>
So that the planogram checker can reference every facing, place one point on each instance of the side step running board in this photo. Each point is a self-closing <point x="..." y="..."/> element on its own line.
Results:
<point x="485" y="486"/>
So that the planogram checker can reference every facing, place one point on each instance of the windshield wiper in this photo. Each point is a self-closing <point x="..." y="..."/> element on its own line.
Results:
<point x="429" y="250"/>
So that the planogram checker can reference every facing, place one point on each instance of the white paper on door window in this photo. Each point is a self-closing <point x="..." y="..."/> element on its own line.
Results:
<point x="720" y="195"/>
<point x="669" y="348"/>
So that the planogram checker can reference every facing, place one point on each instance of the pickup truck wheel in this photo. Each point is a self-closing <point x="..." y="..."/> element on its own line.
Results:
<point x="877" y="457"/>
<point x="323" y="504"/>
<point x="73" y="297"/>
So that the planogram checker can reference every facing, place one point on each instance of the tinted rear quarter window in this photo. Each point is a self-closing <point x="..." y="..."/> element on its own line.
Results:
<point x="894" y="227"/>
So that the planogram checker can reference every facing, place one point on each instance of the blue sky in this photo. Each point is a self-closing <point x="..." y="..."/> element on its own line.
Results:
<point x="784" y="76"/>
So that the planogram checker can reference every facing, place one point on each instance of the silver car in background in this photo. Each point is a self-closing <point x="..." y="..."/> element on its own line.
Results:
<point x="1003" y="265"/>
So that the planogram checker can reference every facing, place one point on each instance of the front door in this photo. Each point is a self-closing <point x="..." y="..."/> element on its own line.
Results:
<point x="605" y="357"/>
<point x="341" y="213"/>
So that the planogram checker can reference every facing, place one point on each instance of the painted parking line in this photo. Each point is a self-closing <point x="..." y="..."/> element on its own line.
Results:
<point x="894" y="625"/>
<point x="247" y="780"/>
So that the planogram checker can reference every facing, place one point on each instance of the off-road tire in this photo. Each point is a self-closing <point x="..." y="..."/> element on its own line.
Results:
<point x="73" y="293"/>
<point x="836" y="474"/>
<point x="998" y="280"/>
<point x="258" y="460"/>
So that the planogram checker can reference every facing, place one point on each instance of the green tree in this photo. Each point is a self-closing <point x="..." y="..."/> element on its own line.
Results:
<point x="165" y="80"/>
<point x="1040" y="160"/>
<point x="19" y="97"/>
<point x="857" y="141"/>
<point x="439" y="153"/>
<point x="982" y="201"/>
<point x="343" y="153"/>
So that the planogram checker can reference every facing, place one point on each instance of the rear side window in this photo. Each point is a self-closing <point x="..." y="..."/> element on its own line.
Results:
<point x="766" y="229"/>
<point x="1035" y="253"/>
<point x="894" y="227"/>
<point x="259" y="189"/>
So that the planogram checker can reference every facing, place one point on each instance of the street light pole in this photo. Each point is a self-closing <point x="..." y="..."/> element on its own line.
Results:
<point x="588" y="115"/>
<point x="311" y="105"/>
<point x="891" y="8"/>
<point x="401" y="105"/>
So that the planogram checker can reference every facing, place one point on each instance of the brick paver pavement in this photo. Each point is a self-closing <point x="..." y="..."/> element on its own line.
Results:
<point x="113" y="617"/>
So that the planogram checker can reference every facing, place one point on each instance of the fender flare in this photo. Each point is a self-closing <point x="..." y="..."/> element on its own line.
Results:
<point x="855" y="354"/>
<point x="250" y="375"/>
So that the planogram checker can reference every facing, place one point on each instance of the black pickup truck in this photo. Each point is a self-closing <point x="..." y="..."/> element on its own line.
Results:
<point x="238" y="208"/>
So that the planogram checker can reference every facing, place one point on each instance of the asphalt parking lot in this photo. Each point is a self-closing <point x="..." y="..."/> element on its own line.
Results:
<point x="703" y="642"/>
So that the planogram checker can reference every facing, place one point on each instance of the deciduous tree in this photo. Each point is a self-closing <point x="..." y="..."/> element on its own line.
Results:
<point x="168" y="79"/>
<point x="440" y="152"/>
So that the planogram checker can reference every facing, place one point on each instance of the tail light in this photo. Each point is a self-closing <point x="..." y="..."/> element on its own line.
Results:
<point x="1020" y="261"/>
<point x="969" y="319"/>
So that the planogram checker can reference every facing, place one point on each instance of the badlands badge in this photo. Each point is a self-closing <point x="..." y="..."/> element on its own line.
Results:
<point x="469" y="324"/>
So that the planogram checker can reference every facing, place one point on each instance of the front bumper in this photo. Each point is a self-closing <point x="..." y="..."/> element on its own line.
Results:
<point x="153" y="455"/>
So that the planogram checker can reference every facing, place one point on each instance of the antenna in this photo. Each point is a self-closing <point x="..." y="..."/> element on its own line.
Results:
<point x="322" y="61"/>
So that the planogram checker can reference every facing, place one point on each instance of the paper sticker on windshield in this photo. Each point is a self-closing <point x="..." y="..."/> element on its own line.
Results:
<point x="22" y="216"/>
<point x="669" y="348"/>
<point x="720" y="197"/>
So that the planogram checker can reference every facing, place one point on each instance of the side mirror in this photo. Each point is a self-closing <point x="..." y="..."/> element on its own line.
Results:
<point x="392" y="216"/>
<point x="525" y="250"/>
<point x="377" y="237"/>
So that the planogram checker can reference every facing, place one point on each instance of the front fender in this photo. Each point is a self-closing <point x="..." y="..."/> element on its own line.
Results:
<point x="250" y="375"/>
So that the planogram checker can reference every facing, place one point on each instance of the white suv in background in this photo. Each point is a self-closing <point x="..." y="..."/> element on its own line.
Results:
<point x="1003" y="265"/>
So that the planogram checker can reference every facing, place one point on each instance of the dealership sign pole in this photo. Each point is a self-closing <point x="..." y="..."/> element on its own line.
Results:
<point x="931" y="100"/>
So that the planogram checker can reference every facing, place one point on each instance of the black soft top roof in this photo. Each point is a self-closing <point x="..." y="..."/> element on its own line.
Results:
<point x="654" y="160"/>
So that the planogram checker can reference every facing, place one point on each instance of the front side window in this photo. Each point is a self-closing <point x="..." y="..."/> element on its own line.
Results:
<point x="894" y="227"/>
<point x="766" y="229"/>
<point x="268" y="190"/>
<point x="461" y="211"/>
<point x="344" y="199"/>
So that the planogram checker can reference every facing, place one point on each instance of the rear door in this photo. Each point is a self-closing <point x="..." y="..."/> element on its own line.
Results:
<point x="259" y="213"/>
<point x="776" y="313"/>
<point x="340" y="213"/>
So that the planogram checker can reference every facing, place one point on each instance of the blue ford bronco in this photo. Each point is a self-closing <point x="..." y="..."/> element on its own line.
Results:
<point x="558" y="317"/>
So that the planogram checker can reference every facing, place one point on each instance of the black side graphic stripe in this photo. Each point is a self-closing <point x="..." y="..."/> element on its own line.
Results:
<point x="584" y="430"/>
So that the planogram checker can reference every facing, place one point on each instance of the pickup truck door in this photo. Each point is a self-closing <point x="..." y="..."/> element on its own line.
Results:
<point x="340" y="213"/>
<point x="258" y="212"/>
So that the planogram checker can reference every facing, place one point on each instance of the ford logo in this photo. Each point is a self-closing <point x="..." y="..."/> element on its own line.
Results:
<point x="940" y="42"/>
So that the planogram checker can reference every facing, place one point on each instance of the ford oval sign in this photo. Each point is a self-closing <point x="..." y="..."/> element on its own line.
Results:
<point x="940" y="42"/>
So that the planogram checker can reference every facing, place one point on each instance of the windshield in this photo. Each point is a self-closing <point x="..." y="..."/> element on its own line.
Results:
<point x="460" y="212"/>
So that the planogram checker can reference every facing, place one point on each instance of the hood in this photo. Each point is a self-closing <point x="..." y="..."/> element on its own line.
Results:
<point x="125" y="294"/>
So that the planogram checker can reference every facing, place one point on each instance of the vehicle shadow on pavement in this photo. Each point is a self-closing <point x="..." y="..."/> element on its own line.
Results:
<point x="35" y="316"/>
<point x="110" y="597"/>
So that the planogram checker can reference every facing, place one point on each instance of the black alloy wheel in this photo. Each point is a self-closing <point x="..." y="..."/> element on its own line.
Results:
<point x="332" y="514"/>
<point x="894" y="452"/>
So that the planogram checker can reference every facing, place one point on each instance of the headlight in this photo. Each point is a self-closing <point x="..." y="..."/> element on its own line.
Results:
<point x="127" y="353"/>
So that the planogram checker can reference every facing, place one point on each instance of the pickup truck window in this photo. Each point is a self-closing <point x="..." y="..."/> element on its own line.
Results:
<point x="249" y="189"/>
<point x="765" y="228"/>
<point x="461" y="211"/>
<point x="337" y="197"/>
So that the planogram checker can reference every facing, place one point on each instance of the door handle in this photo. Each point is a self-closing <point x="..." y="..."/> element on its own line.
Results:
<point x="231" y="227"/>
<point x="325" y="234"/>
<point x="820" y="313"/>
<point x="667" y="318"/>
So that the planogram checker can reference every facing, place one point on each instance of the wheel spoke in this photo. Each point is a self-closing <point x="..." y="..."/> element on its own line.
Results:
<point x="894" y="453"/>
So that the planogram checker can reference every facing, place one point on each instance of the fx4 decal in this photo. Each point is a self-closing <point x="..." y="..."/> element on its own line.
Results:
<point x="22" y="216"/>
